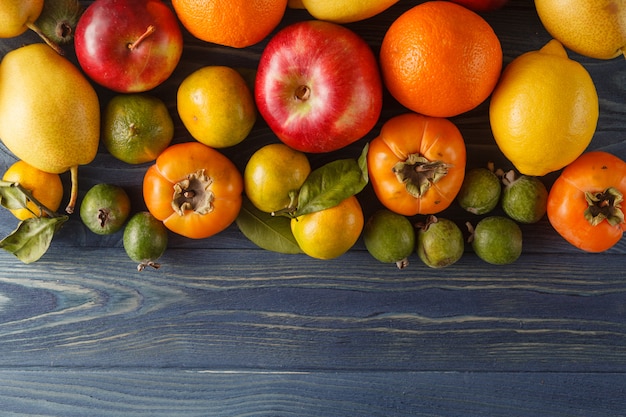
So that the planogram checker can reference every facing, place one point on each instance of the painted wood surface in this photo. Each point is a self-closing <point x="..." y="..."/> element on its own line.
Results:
<point x="227" y="329"/>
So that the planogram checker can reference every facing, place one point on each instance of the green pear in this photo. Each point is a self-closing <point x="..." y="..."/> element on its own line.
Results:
<point x="49" y="112"/>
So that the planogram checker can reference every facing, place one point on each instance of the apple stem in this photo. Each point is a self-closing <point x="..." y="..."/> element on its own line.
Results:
<point x="303" y="92"/>
<point x="151" y="29"/>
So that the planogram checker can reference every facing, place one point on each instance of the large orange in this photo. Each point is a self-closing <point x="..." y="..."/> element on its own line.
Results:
<point x="440" y="59"/>
<point x="235" y="23"/>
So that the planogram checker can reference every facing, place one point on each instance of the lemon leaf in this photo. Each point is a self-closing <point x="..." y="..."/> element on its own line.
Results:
<point x="31" y="240"/>
<point x="332" y="183"/>
<point x="268" y="232"/>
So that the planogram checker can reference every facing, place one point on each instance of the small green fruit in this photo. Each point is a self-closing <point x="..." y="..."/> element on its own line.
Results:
<point x="389" y="237"/>
<point x="440" y="242"/>
<point x="145" y="240"/>
<point x="497" y="240"/>
<point x="480" y="191"/>
<point x="525" y="198"/>
<point x="105" y="208"/>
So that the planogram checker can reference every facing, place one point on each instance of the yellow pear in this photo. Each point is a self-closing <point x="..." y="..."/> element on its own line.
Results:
<point x="593" y="28"/>
<point x="17" y="16"/>
<point x="49" y="112"/>
<point x="346" y="11"/>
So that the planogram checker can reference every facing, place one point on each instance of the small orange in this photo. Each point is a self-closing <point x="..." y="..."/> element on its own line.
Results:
<point x="331" y="232"/>
<point x="235" y="23"/>
<point x="45" y="187"/>
<point x="440" y="59"/>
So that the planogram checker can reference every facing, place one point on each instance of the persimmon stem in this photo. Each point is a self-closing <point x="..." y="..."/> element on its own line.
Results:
<point x="149" y="31"/>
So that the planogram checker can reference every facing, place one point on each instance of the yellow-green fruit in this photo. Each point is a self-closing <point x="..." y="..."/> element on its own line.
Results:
<point x="346" y="11"/>
<point x="216" y="106"/>
<point x="17" y="15"/>
<point x="49" y="112"/>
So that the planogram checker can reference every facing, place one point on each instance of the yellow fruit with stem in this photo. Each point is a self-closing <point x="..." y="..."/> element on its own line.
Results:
<point x="49" y="112"/>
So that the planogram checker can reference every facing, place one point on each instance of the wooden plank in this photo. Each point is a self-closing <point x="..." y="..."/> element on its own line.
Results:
<point x="173" y="392"/>
<point x="277" y="311"/>
<point x="226" y="329"/>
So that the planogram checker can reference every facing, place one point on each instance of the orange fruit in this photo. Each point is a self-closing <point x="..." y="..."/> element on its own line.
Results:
<point x="45" y="187"/>
<point x="440" y="59"/>
<point x="329" y="233"/>
<point x="235" y="23"/>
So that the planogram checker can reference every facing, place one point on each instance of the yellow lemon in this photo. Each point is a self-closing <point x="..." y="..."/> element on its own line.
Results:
<point x="331" y="232"/>
<point x="544" y="110"/>
<point x="346" y="11"/>
<point x="216" y="106"/>
<point x="594" y="28"/>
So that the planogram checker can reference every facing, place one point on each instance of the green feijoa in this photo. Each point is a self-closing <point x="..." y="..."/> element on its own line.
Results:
<point x="105" y="208"/>
<point x="480" y="191"/>
<point x="497" y="240"/>
<point x="389" y="237"/>
<point x="145" y="239"/>
<point x="440" y="242"/>
<point x="524" y="198"/>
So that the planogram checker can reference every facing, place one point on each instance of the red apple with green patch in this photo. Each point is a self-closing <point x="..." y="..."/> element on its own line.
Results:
<point x="128" y="45"/>
<point x="318" y="86"/>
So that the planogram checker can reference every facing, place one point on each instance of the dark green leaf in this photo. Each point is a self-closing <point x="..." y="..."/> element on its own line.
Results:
<point x="266" y="231"/>
<point x="332" y="183"/>
<point x="11" y="196"/>
<point x="32" y="238"/>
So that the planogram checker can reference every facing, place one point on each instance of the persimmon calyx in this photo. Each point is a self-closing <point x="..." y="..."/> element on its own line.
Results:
<point x="193" y="193"/>
<point x="418" y="174"/>
<point x="605" y="205"/>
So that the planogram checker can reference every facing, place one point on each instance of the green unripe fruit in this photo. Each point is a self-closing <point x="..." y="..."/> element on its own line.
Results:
<point x="389" y="237"/>
<point x="105" y="208"/>
<point x="145" y="239"/>
<point x="480" y="191"/>
<point x="440" y="243"/>
<point x="525" y="198"/>
<point x="497" y="240"/>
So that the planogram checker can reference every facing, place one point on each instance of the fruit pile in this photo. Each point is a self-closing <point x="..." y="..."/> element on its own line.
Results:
<point x="318" y="87"/>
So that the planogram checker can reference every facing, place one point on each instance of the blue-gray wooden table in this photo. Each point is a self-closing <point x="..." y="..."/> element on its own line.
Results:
<point x="227" y="329"/>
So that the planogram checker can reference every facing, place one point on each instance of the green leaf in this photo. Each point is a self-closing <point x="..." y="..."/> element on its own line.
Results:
<point x="12" y="197"/>
<point x="332" y="183"/>
<point x="32" y="238"/>
<point x="268" y="232"/>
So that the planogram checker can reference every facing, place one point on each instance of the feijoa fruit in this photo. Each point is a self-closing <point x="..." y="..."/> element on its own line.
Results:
<point x="389" y="237"/>
<point x="440" y="242"/>
<point x="497" y="240"/>
<point x="145" y="239"/>
<point x="524" y="198"/>
<point x="480" y="191"/>
<point x="105" y="208"/>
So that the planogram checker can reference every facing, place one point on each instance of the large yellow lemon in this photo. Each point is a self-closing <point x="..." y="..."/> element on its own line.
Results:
<point x="544" y="110"/>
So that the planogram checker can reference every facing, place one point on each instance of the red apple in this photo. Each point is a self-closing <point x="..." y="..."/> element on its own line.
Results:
<point x="481" y="5"/>
<point x="128" y="45"/>
<point x="318" y="86"/>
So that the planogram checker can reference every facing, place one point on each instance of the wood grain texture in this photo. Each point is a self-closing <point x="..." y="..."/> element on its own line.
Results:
<point x="227" y="329"/>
